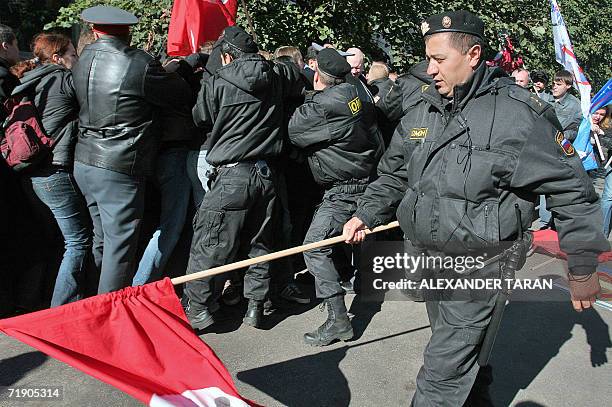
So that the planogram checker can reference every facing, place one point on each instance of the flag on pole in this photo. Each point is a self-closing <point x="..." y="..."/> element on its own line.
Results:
<point x="136" y="339"/>
<point x="193" y="22"/>
<point x="602" y="98"/>
<point x="564" y="54"/>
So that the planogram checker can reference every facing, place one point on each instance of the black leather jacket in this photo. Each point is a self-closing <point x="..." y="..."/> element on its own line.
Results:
<point x="120" y="90"/>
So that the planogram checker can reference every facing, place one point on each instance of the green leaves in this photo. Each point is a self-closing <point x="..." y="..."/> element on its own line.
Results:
<point x="150" y="33"/>
<point x="355" y="23"/>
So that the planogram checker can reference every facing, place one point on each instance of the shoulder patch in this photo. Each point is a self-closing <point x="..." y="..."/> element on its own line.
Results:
<point x="531" y="100"/>
<point x="418" y="133"/>
<point x="565" y="144"/>
<point x="355" y="105"/>
<point x="424" y="88"/>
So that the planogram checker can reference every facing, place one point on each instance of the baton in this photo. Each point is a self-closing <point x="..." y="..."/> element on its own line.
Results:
<point x="500" y="302"/>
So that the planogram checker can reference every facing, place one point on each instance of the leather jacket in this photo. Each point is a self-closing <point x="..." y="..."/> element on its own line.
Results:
<point x="120" y="90"/>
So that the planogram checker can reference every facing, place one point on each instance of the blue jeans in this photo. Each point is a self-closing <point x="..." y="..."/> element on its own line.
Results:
<point x="60" y="193"/>
<point x="606" y="203"/>
<point x="196" y="171"/>
<point x="173" y="183"/>
<point x="545" y="215"/>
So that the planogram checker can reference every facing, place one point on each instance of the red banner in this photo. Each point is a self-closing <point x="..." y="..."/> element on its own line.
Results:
<point x="136" y="339"/>
<point x="193" y="22"/>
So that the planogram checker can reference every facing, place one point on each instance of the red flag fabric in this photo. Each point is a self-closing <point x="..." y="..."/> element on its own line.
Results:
<point x="193" y="22"/>
<point x="136" y="339"/>
<point x="547" y="241"/>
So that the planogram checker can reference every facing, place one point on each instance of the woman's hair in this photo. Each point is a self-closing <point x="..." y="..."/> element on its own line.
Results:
<point x="292" y="52"/>
<point x="44" y="46"/>
<point x="606" y="123"/>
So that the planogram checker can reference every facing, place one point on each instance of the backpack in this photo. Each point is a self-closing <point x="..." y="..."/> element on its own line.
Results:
<point x="24" y="142"/>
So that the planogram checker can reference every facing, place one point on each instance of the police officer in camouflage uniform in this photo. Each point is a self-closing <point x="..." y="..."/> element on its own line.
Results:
<point x="342" y="153"/>
<point x="243" y="105"/>
<point x="475" y="145"/>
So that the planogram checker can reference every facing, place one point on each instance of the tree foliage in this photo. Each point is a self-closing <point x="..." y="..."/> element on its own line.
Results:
<point x="150" y="33"/>
<point x="365" y="23"/>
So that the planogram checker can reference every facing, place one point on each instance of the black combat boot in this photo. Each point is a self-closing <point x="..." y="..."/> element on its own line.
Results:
<point x="337" y="326"/>
<point x="201" y="318"/>
<point x="254" y="314"/>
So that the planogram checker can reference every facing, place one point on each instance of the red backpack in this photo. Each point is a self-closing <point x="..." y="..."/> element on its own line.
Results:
<point x="23" y="142"/>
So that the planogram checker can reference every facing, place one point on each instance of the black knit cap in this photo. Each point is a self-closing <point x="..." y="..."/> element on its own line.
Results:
<point x="238" y="38"/>
<point x="539" y="76"/>
<point x="459" y="21"/>
<point x="331" y="63"/>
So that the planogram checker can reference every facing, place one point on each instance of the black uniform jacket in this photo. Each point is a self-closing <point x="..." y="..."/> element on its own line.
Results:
<point x="455" y="169"/>
<point x="243" y="103"/>
<point x="330" y="127"/>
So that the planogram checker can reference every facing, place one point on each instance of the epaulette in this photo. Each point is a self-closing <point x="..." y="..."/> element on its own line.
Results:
<point x="531" y="100"/>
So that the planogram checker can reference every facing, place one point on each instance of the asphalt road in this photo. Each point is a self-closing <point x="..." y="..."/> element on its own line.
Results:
<point x="545" y="355"/>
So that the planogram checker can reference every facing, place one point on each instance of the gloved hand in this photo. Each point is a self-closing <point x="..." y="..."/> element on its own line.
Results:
<point x="584" y="290"/>
<point x="196" y="60"/>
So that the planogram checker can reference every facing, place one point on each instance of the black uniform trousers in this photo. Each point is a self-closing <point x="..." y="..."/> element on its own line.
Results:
<point x="450" y="375"/>
<point x="116" y="205"/>
<point x="238" y="217"/>
<point x="338" y="206"/>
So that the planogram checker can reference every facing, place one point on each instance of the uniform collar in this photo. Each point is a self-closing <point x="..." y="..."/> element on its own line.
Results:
<point x="481" y="81"/>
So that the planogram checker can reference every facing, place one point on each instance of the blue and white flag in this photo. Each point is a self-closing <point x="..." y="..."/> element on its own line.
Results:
<point x="603" y="97"/>
<point x="564" y="54"/>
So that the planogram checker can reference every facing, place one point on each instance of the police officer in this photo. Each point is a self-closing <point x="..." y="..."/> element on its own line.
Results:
<point x="475" y="145"/>
<point x="342" y="154"/>
<point x="119" y="90"/>
<point x="243" y="105"/>
<point x="405" y="92"/>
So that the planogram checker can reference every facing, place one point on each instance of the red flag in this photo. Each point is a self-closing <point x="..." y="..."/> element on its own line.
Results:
<point x="547" y="241"/>
<point x="193" y="22"/>
<point x="138" y="340"/>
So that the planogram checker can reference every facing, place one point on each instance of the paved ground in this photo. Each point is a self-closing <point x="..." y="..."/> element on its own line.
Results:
<point x="545" y="355"/>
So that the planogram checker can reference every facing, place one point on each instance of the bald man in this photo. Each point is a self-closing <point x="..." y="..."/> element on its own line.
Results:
<point x="355" y="61"/>
<point x="521" y="77"/>
<point x="356" y="76"/>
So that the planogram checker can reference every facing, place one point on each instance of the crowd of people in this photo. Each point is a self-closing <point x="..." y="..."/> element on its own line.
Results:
<point x="274" y="150"/>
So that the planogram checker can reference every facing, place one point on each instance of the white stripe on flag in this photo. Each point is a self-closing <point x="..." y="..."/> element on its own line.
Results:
<point x="207" y="397"/>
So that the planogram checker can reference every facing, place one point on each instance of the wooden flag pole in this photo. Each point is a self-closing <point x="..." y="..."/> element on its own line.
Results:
<point x="249" y="20"/>
<point x="273" y="256"/>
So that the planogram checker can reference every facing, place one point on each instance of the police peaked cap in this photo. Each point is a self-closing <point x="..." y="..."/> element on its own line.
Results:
<point x="240" y="39"/>
<point x="459" y="21"/>
<point x="331" y="63"/>
<point x="107" y="15"/>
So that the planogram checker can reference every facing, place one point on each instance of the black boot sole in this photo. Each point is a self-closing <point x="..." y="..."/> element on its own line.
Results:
<point x="200" y="325"/>
<point x="344" y="336"/>
<point x="252" y="322"/>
